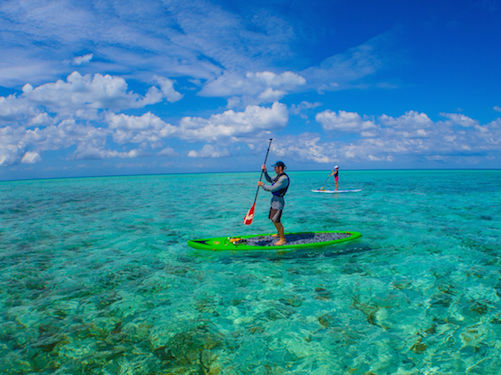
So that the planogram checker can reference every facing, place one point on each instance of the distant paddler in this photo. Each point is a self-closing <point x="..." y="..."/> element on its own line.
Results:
<point x="278" y="188"/>
<point x="335" y="173"/>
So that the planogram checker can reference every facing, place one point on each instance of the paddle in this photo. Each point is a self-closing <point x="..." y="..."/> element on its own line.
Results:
<point x="322" y="188"/>
<point x="250" y="214"/>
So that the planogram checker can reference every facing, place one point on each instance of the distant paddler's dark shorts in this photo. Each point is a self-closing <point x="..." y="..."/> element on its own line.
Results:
<point x="275" y="215"/>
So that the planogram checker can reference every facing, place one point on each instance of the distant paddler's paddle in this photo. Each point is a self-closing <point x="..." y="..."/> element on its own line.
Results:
<point x="250" y="214"/>
<point x="322" y="188"/>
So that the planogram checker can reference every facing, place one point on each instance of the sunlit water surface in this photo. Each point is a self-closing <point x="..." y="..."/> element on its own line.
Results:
<point x="96" y="276"/>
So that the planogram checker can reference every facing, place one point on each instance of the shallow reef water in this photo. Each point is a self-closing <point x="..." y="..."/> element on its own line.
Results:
<point x="96" y="276"/>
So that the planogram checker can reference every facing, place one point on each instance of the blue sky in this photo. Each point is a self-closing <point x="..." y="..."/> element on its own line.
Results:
<point x="127" y="87"/>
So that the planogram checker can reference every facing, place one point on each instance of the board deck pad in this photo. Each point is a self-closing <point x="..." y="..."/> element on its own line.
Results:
<point x="296" y="238"/>
<point x="266" y="241"/>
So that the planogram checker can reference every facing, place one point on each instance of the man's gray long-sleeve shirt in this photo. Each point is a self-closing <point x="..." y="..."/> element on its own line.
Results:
<point x="282" y="182"/>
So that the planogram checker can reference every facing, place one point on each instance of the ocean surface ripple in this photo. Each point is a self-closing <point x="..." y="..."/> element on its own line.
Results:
<point x="96" y="276"/>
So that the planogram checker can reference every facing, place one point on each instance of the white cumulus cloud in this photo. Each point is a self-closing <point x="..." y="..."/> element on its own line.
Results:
<point x="209" y="151"/>
<point x="410" y="120"/>
<point x="167" y="87"/>
<point x="460" y="119"/>
<point x="410" y="136"/>
<point x="234" y="124"/>
<point x="92" y="92"/>
<point x="85" y="59"/>
<point x="344" y="121"/>
<point x="168" y="151"/>
<point x="93" y="151"/>
<point x="264" y="87"/>
<point x="15" y="110"/>
<point x="147" y="128"/>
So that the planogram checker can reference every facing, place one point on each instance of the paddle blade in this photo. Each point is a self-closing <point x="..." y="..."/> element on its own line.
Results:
<point x="250" y="215"/>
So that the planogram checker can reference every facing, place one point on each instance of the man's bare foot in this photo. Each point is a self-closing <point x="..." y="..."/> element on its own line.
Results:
<point x="280" y="242"/>
<point x="276" y="235"/>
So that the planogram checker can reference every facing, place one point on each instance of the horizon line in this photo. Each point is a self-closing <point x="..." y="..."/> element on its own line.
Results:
<point x="248" y="171"/>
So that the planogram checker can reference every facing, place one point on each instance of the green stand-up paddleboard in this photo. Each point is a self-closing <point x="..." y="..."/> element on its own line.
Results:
<point x="265" y="241"/>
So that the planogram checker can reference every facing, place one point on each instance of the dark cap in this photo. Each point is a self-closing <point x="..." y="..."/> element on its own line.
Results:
<point x="279" y="164"/>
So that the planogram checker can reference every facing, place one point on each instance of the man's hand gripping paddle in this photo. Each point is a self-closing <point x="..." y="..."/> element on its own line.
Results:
<point x="250" y="214"/>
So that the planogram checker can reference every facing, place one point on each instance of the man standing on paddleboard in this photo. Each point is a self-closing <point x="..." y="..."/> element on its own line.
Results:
<point x="279" y="185"/>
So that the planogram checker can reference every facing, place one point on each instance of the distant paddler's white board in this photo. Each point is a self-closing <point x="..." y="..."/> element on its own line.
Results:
<point x="335" y="191"/>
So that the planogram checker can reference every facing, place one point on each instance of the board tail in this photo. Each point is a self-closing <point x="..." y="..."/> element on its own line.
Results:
<point x="250" y="215"/>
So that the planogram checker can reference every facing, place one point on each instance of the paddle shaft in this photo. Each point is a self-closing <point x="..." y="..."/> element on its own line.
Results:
<point x="325" y="182"/>
<point x="261" y="177"/>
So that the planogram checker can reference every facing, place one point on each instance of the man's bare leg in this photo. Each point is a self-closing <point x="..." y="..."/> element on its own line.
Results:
<point x="281" y="234"/>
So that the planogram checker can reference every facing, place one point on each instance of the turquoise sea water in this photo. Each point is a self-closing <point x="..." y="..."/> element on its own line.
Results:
<point x="96" y="276"/>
